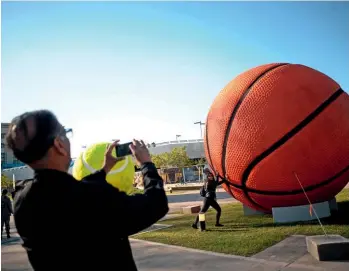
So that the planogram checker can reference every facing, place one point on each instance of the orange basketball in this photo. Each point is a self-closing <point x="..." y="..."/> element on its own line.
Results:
<point x="274" y="122"/>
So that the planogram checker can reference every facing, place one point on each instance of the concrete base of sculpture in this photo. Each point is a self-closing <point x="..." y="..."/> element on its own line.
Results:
<point x="328" y="248"/>
<point x="248" y="211"/>
<point x="301" y="213"/>
<point x="195" y="209"/>
<point x="333" y="204"/>
<point x="297" y="213"/>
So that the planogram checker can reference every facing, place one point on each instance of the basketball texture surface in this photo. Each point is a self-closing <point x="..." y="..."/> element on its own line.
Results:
<point x="92" y="158"/>
<point x="272" y="122"/>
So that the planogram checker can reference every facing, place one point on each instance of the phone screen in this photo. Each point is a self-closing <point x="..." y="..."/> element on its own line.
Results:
<point x="123" y="149"/>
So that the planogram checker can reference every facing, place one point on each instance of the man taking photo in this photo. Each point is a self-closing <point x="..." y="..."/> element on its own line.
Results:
<point x="71" y="225"/>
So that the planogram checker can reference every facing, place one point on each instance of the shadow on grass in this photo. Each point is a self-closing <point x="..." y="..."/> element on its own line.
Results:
<point x="339" y="217"/>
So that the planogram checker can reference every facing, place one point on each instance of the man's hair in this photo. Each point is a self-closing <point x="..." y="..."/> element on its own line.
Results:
<point x="4" y="192"/>
<point x="31" y="135"/>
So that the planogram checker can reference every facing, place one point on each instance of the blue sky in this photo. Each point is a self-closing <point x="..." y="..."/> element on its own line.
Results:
<point x="149" y="70"/>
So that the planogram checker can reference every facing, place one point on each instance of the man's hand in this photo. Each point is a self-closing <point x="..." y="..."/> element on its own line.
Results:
<point x="109" y="159"/>
<point x="140" y="152"/>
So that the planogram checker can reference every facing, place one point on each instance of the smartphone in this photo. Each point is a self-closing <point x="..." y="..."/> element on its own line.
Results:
<point x="123" y="149"/>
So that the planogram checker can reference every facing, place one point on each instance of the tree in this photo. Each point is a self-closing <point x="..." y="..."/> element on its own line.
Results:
<point x="5" y="181"/>
<point x="201" y="161"/>
<point x="160" y="160"/>
<point x="178" y="157"/>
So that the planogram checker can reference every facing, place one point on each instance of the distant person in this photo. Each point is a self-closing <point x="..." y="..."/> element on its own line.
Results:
<point x="6" y="211"/>
<point x="67" y="224"/>
<point x="210" y="186"/>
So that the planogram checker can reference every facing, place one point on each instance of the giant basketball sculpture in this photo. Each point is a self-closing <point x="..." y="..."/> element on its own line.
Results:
<point x="274" y="121"/>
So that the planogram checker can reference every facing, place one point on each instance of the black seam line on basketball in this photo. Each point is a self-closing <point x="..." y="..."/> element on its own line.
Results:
<point x="236" y="109"/>
<point x="294" y="192"/>
<point x="235" y="185"/>
<point x="231" y="191"/>
<point x="284" y="139"/>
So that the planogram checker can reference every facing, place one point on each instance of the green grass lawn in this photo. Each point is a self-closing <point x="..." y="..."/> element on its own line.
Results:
<point x="243" y="235"/>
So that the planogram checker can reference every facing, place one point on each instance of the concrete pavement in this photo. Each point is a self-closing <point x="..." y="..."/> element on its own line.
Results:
<point x="293" y="251"/>
<point x="151" y="256"/>
<point x="176" y="202"/>
<point x="189" y="196"/>
<point x="13" y="256"/>
<point x="155" y="257"/>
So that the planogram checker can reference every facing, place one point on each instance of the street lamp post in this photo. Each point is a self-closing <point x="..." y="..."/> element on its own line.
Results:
<point x="201" y="124"/>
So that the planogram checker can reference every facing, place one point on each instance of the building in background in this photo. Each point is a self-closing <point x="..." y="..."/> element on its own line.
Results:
<point x="7" y="158"/>
<point x="195" y="151"/>
<point x="25" y="173"/>
<point x="194" y="147"/>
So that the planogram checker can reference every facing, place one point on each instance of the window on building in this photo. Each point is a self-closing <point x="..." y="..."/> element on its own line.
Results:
<point x="3" y="135"/>
<point x="2" y="145"/>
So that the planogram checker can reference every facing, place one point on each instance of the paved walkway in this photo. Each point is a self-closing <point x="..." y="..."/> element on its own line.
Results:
<point x="176" y="202"/>
<point x="293" y="251"/>
<point x="13" y="256"/>
<point x="155" y="257"/>
<point x="152" y="256"/>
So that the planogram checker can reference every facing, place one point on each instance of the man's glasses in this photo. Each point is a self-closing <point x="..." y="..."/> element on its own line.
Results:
<point x="69" y="133"/>
<point x="66" y="132"/>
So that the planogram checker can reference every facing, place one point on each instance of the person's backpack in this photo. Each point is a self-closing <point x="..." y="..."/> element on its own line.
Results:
<point x="203" y="191"/>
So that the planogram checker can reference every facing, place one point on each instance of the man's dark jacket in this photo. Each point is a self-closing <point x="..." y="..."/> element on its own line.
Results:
<point x="71" y="225"/>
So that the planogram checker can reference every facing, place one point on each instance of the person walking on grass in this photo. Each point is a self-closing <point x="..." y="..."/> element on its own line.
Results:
<point x="209" y="195"/>
<point x="6" y="211"/>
